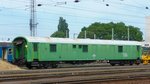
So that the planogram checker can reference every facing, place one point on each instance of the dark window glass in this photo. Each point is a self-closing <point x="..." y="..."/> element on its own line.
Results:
<point x="52" y="47"/>
<point x="85" y="48"/>
<point x="9" y="51"/>
<point x="74" y="46"/>
<point x="138" y="48"/>
<point x="80" y="46"/>
<point x="120" y="48"/>
<point x="35" y="47"/>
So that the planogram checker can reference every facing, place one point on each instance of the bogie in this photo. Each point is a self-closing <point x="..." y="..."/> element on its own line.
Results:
<point x="123" y="62"/>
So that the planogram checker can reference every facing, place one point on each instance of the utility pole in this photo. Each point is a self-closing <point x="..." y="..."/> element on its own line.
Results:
<point x="85" y="34"/>
<point x="128" y="34"/>
<point x="74" y="35"/>
<point x="33" y="22"/>
<point x="66" y="33"/>
<point x="94" y="36"/>
<point x="112" y="34"/>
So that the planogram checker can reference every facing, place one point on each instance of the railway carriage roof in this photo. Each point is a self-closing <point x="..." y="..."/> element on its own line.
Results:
<point x="78" y="41"/>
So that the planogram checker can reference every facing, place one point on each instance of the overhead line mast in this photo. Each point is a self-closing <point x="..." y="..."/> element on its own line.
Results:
<point x="33" y="19"/>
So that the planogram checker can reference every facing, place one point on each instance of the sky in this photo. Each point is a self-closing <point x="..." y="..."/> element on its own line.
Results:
<point x="15" y="15"/>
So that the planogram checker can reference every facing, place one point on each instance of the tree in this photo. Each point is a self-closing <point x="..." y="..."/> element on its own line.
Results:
<point x="104" y="31"/>
<point x="63" y="30"/>
<point x="58" y="34"/>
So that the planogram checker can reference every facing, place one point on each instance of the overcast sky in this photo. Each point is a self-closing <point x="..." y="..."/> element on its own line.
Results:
<point x="15" y="14"/>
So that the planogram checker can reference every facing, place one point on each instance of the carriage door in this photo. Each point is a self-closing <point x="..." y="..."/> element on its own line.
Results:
<point x="4" y="53"/>
<point x="35" y="49"/>
<point x="94" y="52"/>
<point x="64" y="52"/>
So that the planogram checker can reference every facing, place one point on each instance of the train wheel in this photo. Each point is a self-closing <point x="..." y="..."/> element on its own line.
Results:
<point x="112" y="64"/>
<point x="121" y="63"/>
<point x="54" y="65"/>
<point x="29" y="66"/>
<point x="131" y="63"/>
<point x="137" y="63"/>
<point x="45" y="66"/>
<point x="39" y="67"/>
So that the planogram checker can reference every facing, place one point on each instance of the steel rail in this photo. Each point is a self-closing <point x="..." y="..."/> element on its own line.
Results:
<point x="69" y="73"/>
<point x="70" y="69"/>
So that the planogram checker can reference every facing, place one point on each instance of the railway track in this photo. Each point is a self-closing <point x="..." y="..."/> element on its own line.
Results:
<point x="72" y="69"/>
<point x="76" y="75"/>
<point x="96" y="78"/>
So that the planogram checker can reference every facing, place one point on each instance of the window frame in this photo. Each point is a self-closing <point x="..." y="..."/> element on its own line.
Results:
<point x="120" y="49"/>
<point x="9" y="50"/>
<point x="74" y="46"/>
<point x="80" y="46"/>
<point x="52" y="47"/>
<point x="138" y="48"/>
<point x="84" y="48"/>
<point x="35" y="47"/>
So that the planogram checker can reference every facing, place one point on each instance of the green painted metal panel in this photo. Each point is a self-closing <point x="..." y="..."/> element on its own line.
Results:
<point x="74" y="51"/>
<point x="30" y="54"/>
<point x="95" y="52"/>
<point x="43" y="51"/>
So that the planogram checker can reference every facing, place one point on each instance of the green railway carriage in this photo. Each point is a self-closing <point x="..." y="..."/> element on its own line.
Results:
<point x="47" y="51"/>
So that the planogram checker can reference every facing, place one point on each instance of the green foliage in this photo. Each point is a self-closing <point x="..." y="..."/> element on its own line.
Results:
<point x="62" y="26"/>
<point x="62" y="29"/>
<point x="104" y="31"/>
<point x="88" y="34"/>
<point x="58" y="34"/>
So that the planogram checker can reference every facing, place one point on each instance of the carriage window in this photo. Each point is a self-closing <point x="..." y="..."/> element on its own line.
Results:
<point x="80" y="46"/>
<point x="74" y="46"/>
<point x="120" y="48"/>
<point x="35" y="46"/>
<point x="138" y="48"/>
<point x="85" y="48"/>
<point x="9" y="51"/>
<point x="52" y="47"/>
